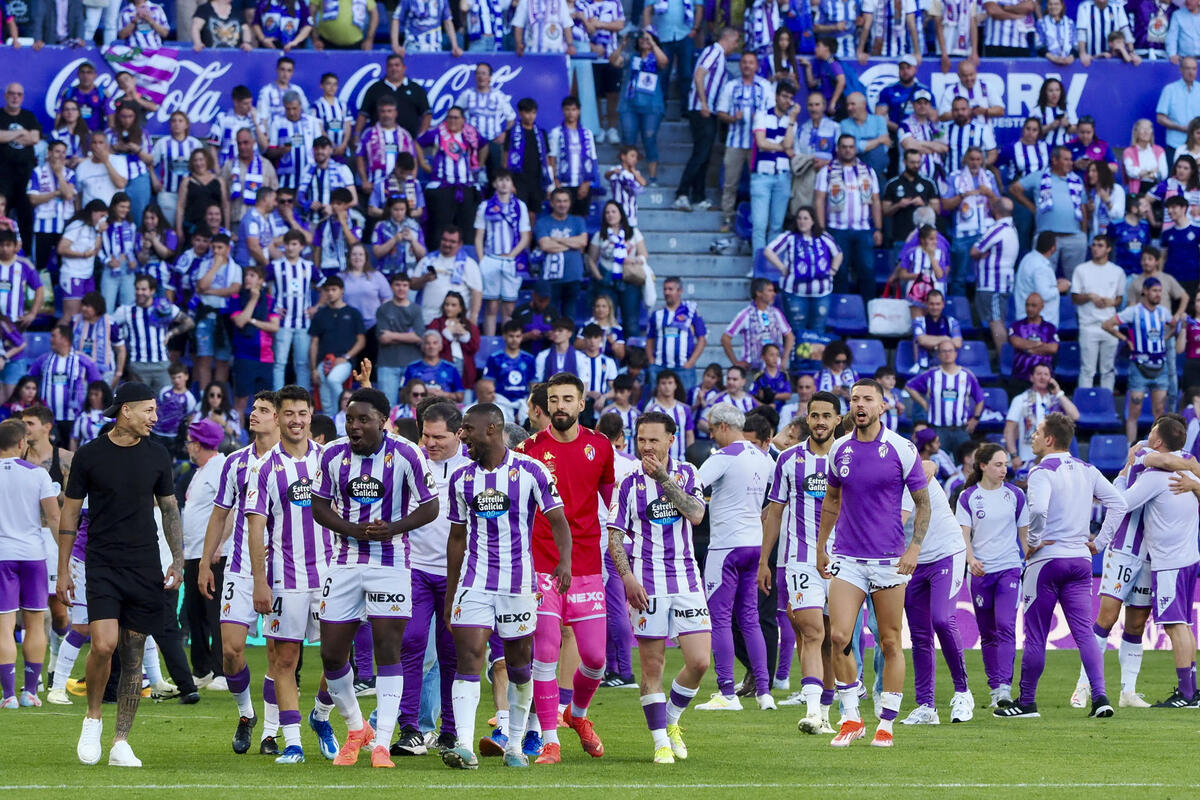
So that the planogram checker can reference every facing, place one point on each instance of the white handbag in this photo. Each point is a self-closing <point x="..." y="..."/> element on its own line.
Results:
<point x="889" y="317"/>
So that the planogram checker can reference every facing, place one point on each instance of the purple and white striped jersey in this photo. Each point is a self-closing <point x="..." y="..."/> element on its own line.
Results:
<point x="745" y="403"/>
<point x="270" y="100"/>
<point x="293" y="164"/>
<point x="682" y="415"/>
<point x="809" y="261"/>
<point x="231" y="496"/>
<point x="761" y="21"/>
<point x="385" y="486"/>
<point x="774" y="127"/>
<point x="758" y="327"/>
<point x="977" y="96"/>
<point x="889" y="27"/>
<point x="832" y="12"/>
<point x="848" y="191"/>
<point x="996" y="270"/>
<point x="171" y="158"/>
<point x="799" y="484"/>
<point x="606" y="11"/>
<point x="574" y="151"/>
<point x="993" y="516"/>
<point x="828" y="380"/>
<point x="319" y="182"/>
<point x="96" y="340"/>
<point x="952" y="398"/>
<point x="502" y="224"/>
<point x="144" y="330"/>
<point x="1060" y="492"/>
<point x="662" y="558"/>
<point x="1169" y="520"/>
<point x="1020" y="159"/>
<point x="87" y="425"/>
<point x="135" y="167"/>
<point x="960" y="138"/>
<point x="712" y="61"/>
<point x="63" y="382"/>
<point x="629" y="423"/>
<point x="487" y="18"/>
<point x="1148" y="329"/>
<point x="597" y="372"/>
<point x="1004" y="32"/>
<point x="872" y="477"/>
<point x="675" y="332"/>
<point x="746" y="100"/>
<point x="335" y="116"/>
<point x="293" y="291"/>
<point x="421" y="23"/>
<point x="1094" y="24"/>
<point x="624" y="189"/>
<point x="51" y="216"/>
<point x="144" y="37"/>
<point x="932" y="166"/>
<point x="223" y="134"/>
<point x="497" y="508"/>
<point x="280" y="489"/>
<point x="974" y="212"/>
<point x="547" y="24"/>
<point x="120" y="242"/>
<point x="17" y="278"/>
<point x="488" y="112"/>
<point x="1129" y="533"/>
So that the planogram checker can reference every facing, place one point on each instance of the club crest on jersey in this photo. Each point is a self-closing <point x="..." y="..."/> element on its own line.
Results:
<point x="883" y="451"/>
<point x="346" y="461"/>
<point x="513" y="473"/>
<point x="589" y="452"/>
<point x="429" y="483"/>
<point x="226" y="609"/>
<point x="490" y="503"/>
<point x="300" y="493"/>
<point x="387" y="460"/>
<point x="365" y="489"/>
<point x="457" y="612"/>
<point x="274" y="626"/>
<point x="641" y="623"/>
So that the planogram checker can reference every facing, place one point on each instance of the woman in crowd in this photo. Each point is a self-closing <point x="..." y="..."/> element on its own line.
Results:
<point x="781" y="64"/>
<point x="1058" y="123"/>
<point x="77" y="251"/>
<point x="604" y="316"/>
<point x="281" y="24"/>
<point x="70" y="128"/>
<point x="1056" y="38"/>
<point x="837" y="373"/>
<point x="214" y="221"/>
<point x="711" y="384"/>
<point x="1191" y="144"/>
<point x="1145" y="162"/>
<point x="411" y="395"/>
<point x="669" y="398"/>
<point x="366" y="289"/>
<point x="131" y="142"/>
<point x="157" y="244"/>
<point x="616" y="245"/>
<point x="92" y="419"/>
<point x="172" y="156"/>
<point x="642" y="104"/>
<point x="922" y="269"/>
<point x="808" y="259"/>
<point x="218" y="24"/>
<point x="215" y="405"/>
<point x="398" y="242"/>
<point x="1184" y="181"/>
<point x="118" y="254"/>
<point x="460" y="336"/>
<point x="202" y="188"/>
<point x="1105" y="199"/>
<point x="25" y="395"/>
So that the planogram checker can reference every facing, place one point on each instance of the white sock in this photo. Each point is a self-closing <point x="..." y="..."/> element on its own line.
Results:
<point x="291" y="735"/>
<point x="811" y="694"/>
<point x="534" y="723"/>
<point x="270" y="719"/>
<point x="67" y="655"/>
<point x="520" y="698"/>
<point x="150" y="664"/>
<point x="891" y="702"/>
<point x="321" y="710"/>
<point x="548" y="737"/>
<point x="388" y="689"/>
<point x="1129" y="656"/>
<point x="502" y="721"/>
<point x="55" y="643"/>
<point x="342" y="691"/>
<point x="465" y="698"/>
<point x="674" y="712"/>
<point x="848" y="694"/>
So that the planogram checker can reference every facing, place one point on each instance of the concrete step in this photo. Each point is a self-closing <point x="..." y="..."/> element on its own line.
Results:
<point x="671" y="221"/>
<point x="697" y="267"/>
<point x="663" y="196"/>
<point x="663" y="242"/>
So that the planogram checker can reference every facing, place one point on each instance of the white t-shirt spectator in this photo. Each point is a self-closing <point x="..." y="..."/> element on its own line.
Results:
<point x="95" y="183"/>
<point x="458" y="274"/>
<point x="1106" y="280"/>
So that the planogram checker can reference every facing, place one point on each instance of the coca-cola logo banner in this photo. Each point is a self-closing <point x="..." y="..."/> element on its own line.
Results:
<point x="202" y="81"/>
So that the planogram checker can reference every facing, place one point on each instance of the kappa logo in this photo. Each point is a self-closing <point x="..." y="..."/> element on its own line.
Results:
<point x="386" y="597"/>
<point x="395" y="609"/>
<point x="507" y="619"/>
<point x="522" y="628"/>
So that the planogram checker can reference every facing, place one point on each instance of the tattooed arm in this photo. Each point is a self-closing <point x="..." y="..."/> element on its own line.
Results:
<point x="173" y="532"/>
<point x="691" y="507"/>
<point x="635" y="593"/>
<point x="921" y="511"/>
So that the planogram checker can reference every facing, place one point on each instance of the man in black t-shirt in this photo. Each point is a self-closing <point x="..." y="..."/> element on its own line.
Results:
<point x="123" y="475"/>
<point x="903" y="195"/>
<point x="412" y="104"/>
<point x="19" y="132"/>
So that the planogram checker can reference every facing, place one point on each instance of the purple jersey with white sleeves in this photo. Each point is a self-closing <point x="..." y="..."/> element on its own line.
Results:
<point x="497" y="507"/>
<point x="993" y="517"/>
<point x="1060" y="492"/>
<point x="872" y="476"/>
<point x="231" y="495"/>
<point x="280" y="489"/>
<point x="662" y="558"/>
<point x="799" y="484"/>
<point x="386" y="485"/>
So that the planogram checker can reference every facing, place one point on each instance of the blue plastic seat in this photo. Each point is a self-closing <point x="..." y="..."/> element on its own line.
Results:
<point x="959" y="307"/>
<point x="1068" y="322"/>
<point x="487" y="346"/>
<point x="868" y="355"/>
<point x="905" y="359"/>
<point x="974" y="356"/>
<point x="742" y="227"/>
<point x="1097" y="409"/>
<point x="1066" y="365"/>
<point x="1007" y="356"/>
<point x="847" y="315"/>
<point x="37" y="343"/>
<point x="995" y="399"/>
<point x="1108" y="452"/>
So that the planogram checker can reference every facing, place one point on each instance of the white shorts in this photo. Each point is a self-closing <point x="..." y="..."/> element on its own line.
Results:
<point x="805" y="588"/>
<point x="294" y="616"/>
<point x="870" y="578"/>
<point x="1127" y="578"/>
<point x="500" y="280"/>
<point x="669" y="616"/>
<point x="512" y="616"/>
<point x="237" y="601"/>
<point x="51" y="560"/>
<point x="354" y="592"/>
<point x="79" y="612"/>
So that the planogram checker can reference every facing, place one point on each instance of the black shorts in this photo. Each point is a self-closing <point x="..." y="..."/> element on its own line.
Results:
<point x="529" y="192"/>
<point x="131" y="595"/>
<point x="607" y="78"/>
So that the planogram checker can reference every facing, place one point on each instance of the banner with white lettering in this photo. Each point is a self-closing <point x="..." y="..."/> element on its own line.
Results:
<point x="201" y="82"/>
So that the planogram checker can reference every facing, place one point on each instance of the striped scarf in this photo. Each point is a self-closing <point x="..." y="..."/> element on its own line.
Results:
<point x="620" y="250"/>
<point x="1046" y="194"/>
<point x="246" y="186"/>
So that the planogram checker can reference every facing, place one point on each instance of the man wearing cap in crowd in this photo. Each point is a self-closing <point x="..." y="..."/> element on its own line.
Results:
<point x="203" y="616"/>
<point x="896" y="101"/>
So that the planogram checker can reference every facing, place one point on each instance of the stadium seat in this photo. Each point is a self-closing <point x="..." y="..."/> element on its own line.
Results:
<point x="1067" y="364"/>
<point x="974" y="356"/>
<point x="1145" y="414"/>
<point x="905" y="358"/>
<point x="36" y="343"/>
<point x="868" y="355"/>
<point x="1097" y="409"/>
<point x="959" y="307"/>
<point x="469" y="249"/>
<point x="994" y="399"/>
<point x="883" y="265"/>
<point x="636" y="342"/>
<point x="742" y="227"/>
<point x="847" y="315"/>
<point x="487" y="346"/>
<point x="1068" y="322"/>
<point x="1007" y="354"/>
<point x="1107" y="452"/>
<point x="1121" y="364"/>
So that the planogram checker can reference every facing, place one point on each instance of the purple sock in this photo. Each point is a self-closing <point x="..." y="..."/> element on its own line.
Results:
<point x="33" y="671"/>
<point x="827" y="697"/>
<point x="268" y="690"/>
<point x="60" y="631"/>
<point x="565" y="696"/>
<point x="656" y="715"/>
<point x="76" y="639"/>
<point x="680" y="700"/>
<point x="8" y="680"/>
<point x="324" y="697"/>
<point x="1129" y="637"/>
<point x="1100" y="630"/>
<point x="364" y="653"/>
<point x="1187" y="681"/>
<point x="520" y="675"/>
<point x="239" y="681"/>
<point x="289" y="718"/>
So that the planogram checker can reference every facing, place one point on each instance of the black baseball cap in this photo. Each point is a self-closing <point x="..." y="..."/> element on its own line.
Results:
<point x="128" y="393"/>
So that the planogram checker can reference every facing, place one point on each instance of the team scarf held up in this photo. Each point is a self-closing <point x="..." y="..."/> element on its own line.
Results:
<point x="620" y="251"/>
<point x="246" y="186"/>
<point x="1074" y="185"/>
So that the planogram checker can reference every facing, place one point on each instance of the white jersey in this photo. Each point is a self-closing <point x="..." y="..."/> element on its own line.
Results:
<point x="737" y="476"/>
<point x="497" y="507"/>
<point x="799" y="484"/>
<point x="1061" y="488"/>
<point x="23" y="487"/>
<point x="944" y="536"/>
<point x="387" y="485"/>
<point x="280" y="488"/>
<point x="992" y="516"/>
<point x="1170" y="521"/>
<point x="427" y="544"/>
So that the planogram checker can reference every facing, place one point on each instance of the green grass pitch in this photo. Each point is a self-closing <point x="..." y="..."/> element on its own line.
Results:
<point x="1145" y="753"/>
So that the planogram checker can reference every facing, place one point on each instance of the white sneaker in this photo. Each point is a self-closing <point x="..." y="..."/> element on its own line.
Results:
<point x="1081" y="696"/>
<point x="121" y="755"/>
<point x="1128" y="700"/>
<point x="164" y="690"/>
<point x="793" y="699"/>
<point x="719" y="702"/>
<point x="825" y="726"/>
<point x="766" y="703"/>
<point x="922" y="715"/>
<point x="202" y="681"/>
<point x="218" y="685"/>
<point x="962" y="707"/>
<point x="782" y="684"/>
<point x="810" y="724"/>
<point x="703" y="205"/>
<point x="614" y="136"/>
<point x="682" y="203"/>
<point x="58" y="697"/>
<point x="88" y="748"/>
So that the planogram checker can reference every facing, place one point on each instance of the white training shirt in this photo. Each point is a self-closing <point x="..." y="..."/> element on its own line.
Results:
<point x="201" y="494"/>
<point x="427" y="544"/>
<point x="1170" y="520"/>
<point x="943" y="537"/>
<point x="738" y="476"/>
<point x="1060" y="492"/>
<point x="992" y="517"/>
<point x="23" y="486"/>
